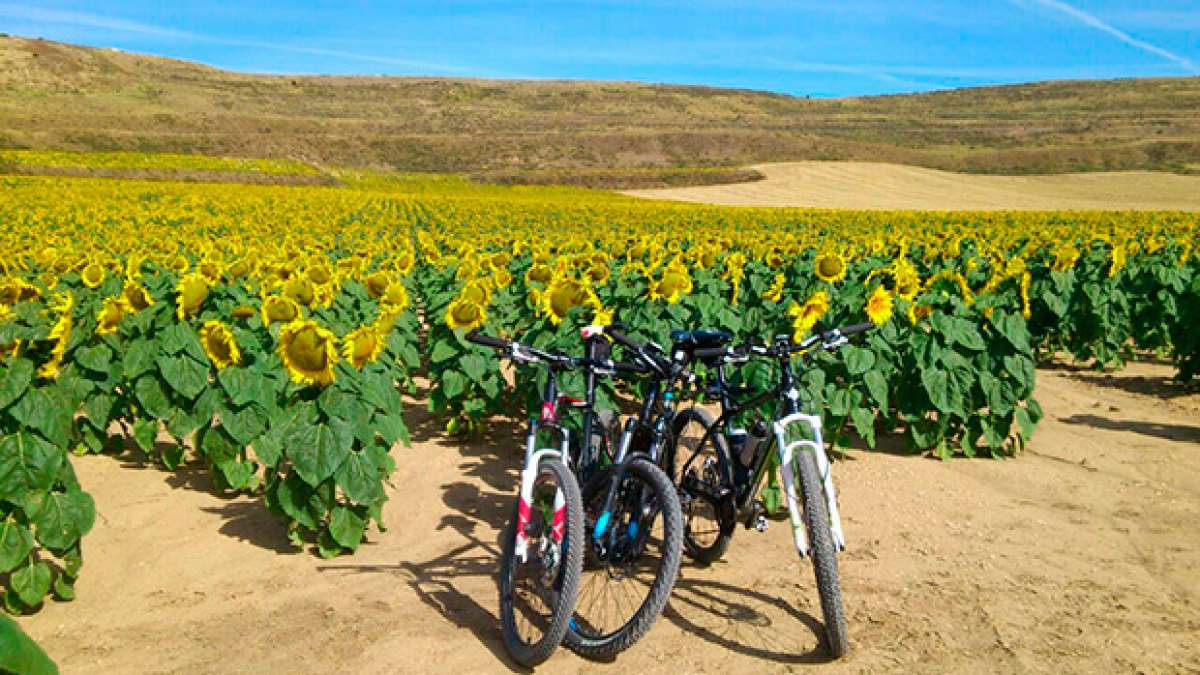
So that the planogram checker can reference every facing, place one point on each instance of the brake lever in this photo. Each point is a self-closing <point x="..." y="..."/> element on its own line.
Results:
<point x="521" y="353"/>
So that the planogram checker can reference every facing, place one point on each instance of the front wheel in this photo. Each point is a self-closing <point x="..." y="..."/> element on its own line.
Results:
<point x="824" y="554"/>
<point x="537" y="594"/>
<point x="694" y="464"/>
<point x="628" y="573"/>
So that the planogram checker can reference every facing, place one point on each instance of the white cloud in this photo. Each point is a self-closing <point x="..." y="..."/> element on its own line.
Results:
<point x="38" y="16"/>
<point x="1095" y="22"/>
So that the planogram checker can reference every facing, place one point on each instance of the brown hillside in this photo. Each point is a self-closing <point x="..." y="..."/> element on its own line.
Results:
<point x="59" y="96"/>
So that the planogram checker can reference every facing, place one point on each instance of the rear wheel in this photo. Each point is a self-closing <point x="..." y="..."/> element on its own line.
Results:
<point x="538" y="594"/>
<point x="695" y="463"/>
<point x="627" y="577"/>
<point x="823" y="553"/>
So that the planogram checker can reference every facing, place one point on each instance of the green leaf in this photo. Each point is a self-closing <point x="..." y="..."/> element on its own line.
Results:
<point x="28" y="463"/>
<point x="864" y="422"/>
<point x="44" y="409"/>
<point x="244" y="425"/>
<point x="443" y="350"/>
<point x="858" y="359"/>
<point x="14" y="380"/>
<point x="475" y="366"/>
<point x="453" y="383"/>
<point x="877" y="387"/>
<point x="1025" y="423"/>
<point x="16" y="541"/>
<point x="20" y="654"/>
<point x="346" y="527"/>
<point x="64" y="589"/>
<point x="937" y="383"/>
<point x="32" y="582"/>
<point x="172" y="456"/>
<point x="391" y="428"/>
<point x="359" y="478"/>
<point x="1013" y="328"/>
<point x="152" y="396"/>
<point x="61" y="518"/>
<point x="217" y="445"/>
<point x="317" y="450"/>
<point x="327" y="546"/>
<point x="97" y="358"/>
<point x="268" y="448"/>
<point x="145" y="432"/>
<point x="98" y="409"/>
<point x="239" y="474"/>
<point x="181" y="338"/>
<point x="296" y="498"/>
<point x="138" y="359"/>
<point x="242" y="386"/>
<point x="185" y="375"/>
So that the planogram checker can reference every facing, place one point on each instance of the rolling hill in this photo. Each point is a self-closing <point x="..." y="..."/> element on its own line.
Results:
<point x="59" y="96"/>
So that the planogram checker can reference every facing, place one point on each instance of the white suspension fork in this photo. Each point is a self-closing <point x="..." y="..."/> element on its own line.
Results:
<point x="787" y="455"/>
<point x="529" y="474"/>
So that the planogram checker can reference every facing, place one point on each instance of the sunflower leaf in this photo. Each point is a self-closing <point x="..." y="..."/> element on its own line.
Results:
<point x="317" y="450"/>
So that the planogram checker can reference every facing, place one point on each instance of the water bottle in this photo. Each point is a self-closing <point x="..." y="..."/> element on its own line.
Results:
<point x="753" y="439"/>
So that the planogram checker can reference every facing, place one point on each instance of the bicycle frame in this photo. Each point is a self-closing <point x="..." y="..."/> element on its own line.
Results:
<point x="529" y="473"/>
<point x="809" y="439"/>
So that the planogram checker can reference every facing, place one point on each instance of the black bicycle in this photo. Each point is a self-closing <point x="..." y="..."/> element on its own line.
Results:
<point x="719" y="468"/>
<point x="632" y="524"/>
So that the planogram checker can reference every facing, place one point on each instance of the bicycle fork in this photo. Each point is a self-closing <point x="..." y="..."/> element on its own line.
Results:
<point x="529" y="475"/>
<point x="787" y="455"/>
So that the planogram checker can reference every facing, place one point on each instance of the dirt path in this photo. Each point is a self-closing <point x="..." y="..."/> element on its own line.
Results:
<point x="1080" y="556"/>
<point x="874" y="185"/>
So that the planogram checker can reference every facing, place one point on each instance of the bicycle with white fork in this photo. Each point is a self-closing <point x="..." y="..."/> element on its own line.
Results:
<point x="718" y="468"/>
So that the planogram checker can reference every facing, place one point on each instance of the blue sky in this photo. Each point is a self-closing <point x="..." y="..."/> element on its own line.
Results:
<point x="819" y="47"/>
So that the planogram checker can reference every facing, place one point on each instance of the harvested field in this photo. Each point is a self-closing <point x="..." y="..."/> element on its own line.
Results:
<point x="876" y="185"/>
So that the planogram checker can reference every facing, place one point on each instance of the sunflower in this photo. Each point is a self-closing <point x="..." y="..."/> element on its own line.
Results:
<point x="319" y="274"/>
<point x="675" y="282"/>
<point x="300" y="290"/>
<point x="60" y="333"/>
<point x="237" y="269"/>
<point x="564" y="294"/>
<point x="278" y="309"/>
<point x="774" y="259"/>
<point x="193" y="290"/>
<point x="1119" y="257"/>
<point x="15" y="290"/>
<point x="464" y="314"/>
<point x="598" y="273"/>
<point x="879" y="306"/>
<point x="404" y="261"/>
<point x="395" y="300"/>
<point x="308" y="351"/>
<point x="362" y="346"/>
<point x="10" y="350"/>
<point x="92" y="275"/>
<point x="830" y="267"/>
<point x="541" y="273"/>
<point x="805" y="316"/>
<point x="219" y="345"/>
<point x="211" y="270"/>
<point x="110" y="314"/>
<point x="477" y="291"/>
<point x="378" y="283"/>
<point x="135" y="297"/>
<point x="502" y="277"/>
<point x="1025" y="311"/>
<point x="243" y="312"/>
<point x="775" y="292"/>
<point x="178" y="264"/>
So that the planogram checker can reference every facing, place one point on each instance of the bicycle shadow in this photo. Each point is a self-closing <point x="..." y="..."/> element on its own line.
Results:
<point x="744" y="621"/>
<point x="436" y="582"/>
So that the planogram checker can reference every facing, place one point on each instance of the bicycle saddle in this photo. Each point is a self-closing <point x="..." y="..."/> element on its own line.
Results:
<point x="700" y="339"/>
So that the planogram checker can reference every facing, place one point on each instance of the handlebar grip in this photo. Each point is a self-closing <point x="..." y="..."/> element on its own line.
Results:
<point x="856" y="328"/>
<point x="486" y="340"/>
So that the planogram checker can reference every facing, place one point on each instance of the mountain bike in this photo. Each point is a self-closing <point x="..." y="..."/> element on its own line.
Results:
<point x="631" y="525"/>
<point x="719" y="470"/>
<point x="543" y="544"/>
<point x="633" y="512"/>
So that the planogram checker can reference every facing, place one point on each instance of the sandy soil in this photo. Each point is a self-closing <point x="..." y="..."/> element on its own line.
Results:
<point x="873" y="185"/>
<point x="1079" y="556"/>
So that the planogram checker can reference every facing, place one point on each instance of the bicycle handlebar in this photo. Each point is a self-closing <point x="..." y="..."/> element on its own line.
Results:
<point x="830" y="339"/>
<point x="523" y="352"/>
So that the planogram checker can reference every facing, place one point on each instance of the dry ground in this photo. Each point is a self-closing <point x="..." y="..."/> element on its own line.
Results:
<point x="1079" y="556"/>
<point x="876" y="185"/>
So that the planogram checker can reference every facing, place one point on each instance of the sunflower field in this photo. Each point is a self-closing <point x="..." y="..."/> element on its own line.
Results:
<point x="268" y="333"/>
